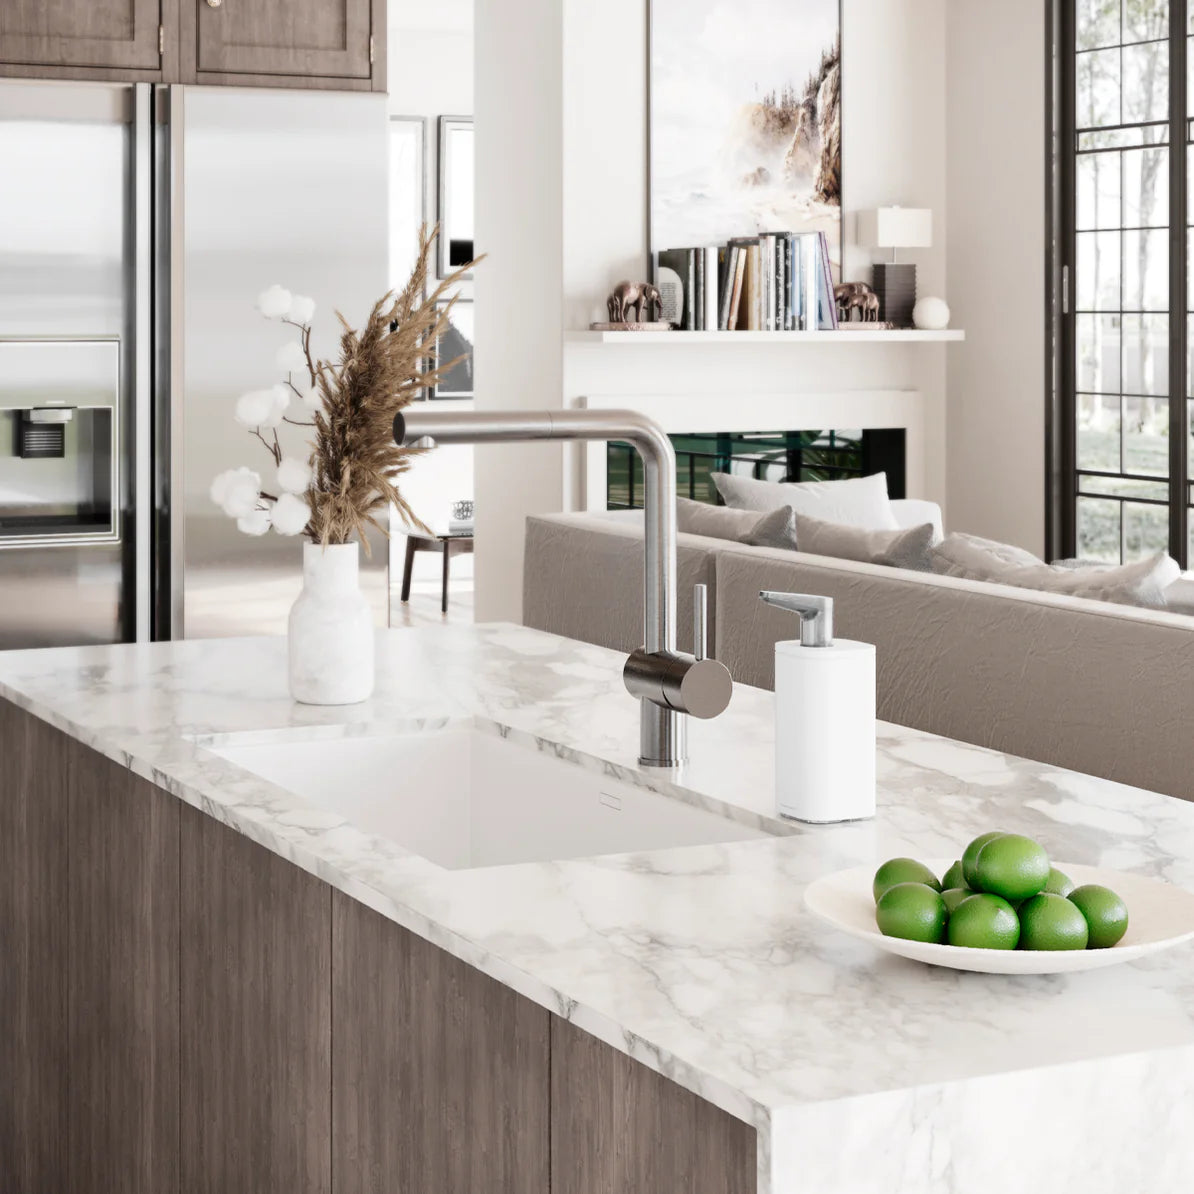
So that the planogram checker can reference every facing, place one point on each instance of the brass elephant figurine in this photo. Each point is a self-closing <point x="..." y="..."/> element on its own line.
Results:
<point x="856" y="296"/>
<point x="630" y="299"/>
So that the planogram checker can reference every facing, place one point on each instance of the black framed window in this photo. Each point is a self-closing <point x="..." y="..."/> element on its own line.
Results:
<point x="1122" y="131"/>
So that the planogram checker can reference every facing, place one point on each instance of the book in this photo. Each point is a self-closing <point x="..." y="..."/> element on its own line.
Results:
<point x="726" y="295"/>
<point x="713" y="286"/>
<point x="780" y="293"/>
<point x="827" y="316"/>
<point x="767" y="248"/>
<point x="739" y="271"/>
<point x="698" y="310"/>
<point x="682" y="263"/>
<point x="810" y="271"/>
<point x="748" y="307"/>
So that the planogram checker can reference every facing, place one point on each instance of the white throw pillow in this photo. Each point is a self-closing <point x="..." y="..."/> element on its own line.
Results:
<point x="1142" y="582"/>
<point x="856" y="502"/>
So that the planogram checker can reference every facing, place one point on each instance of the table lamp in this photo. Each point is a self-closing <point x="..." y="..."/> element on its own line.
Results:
<point x="896" y="228"/>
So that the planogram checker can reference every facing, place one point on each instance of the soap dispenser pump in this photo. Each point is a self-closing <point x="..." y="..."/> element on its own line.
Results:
<point x="824" y="718"/>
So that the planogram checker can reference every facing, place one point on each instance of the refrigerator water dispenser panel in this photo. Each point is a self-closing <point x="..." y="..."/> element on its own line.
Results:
<point x="59" y="443"/>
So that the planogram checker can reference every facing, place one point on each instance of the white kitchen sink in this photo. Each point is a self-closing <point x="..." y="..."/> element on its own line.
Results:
<point x="463" y="797"/>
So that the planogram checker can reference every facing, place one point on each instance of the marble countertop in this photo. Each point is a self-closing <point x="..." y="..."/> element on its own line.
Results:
<point x="702" y="962"/>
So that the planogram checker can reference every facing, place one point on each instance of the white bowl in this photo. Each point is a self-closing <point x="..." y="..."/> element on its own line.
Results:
<point x="1160" y="916"/>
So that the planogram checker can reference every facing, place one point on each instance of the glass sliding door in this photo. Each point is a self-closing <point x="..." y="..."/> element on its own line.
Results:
<point x="1123" y="251"/>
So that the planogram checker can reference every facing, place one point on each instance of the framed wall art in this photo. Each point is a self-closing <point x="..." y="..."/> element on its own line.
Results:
<point x="745" y="121"/>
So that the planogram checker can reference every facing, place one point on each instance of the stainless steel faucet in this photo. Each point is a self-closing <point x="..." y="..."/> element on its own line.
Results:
<point x="669" y="683"/>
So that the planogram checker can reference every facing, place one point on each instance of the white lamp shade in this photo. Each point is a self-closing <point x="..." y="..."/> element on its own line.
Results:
<point x="896" y="228"/>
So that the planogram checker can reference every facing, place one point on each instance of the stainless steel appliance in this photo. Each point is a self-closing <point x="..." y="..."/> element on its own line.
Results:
<point x="137" y="226"/>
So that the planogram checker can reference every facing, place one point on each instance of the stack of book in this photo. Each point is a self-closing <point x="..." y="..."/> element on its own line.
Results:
<point x="774" y="282"/>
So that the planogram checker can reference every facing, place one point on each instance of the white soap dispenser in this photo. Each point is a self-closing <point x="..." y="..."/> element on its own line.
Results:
<point x="824" y="718"/>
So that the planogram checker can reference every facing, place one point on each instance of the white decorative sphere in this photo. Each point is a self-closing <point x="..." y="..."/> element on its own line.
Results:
<point x="931" y="315"/>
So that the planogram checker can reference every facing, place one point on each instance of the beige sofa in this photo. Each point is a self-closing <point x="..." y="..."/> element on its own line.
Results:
<point x="1099" y="688"/>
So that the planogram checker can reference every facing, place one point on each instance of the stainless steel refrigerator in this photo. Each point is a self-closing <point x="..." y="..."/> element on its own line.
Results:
<point x="137" y="226"/>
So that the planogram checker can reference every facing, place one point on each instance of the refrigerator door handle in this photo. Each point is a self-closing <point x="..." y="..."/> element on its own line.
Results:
<point x="140" y="505"/>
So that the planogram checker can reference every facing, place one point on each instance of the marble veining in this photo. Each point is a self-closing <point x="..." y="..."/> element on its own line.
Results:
<point x="701" y="962"/>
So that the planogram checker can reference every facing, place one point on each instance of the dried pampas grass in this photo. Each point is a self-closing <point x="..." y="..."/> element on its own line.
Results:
<point x="384" y="367"/>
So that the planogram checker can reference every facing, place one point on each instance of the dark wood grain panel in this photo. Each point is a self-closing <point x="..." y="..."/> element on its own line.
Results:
<point x="617" y="1125"/>
<point x="33" y="947"/>
<point x="122" y="980"/>
<point x="441" y="1074"/>
<point x="256" y="1018"/>
<point x="310" y="39"/>
<point x="120" y="34"/>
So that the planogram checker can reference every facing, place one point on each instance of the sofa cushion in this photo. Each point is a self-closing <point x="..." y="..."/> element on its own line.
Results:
<point x="856" y="502"/>
<point x="1142" y="582"/>
<point x="894" y="549"/>
<point x="714" y="522"/>
<point x="777" y="529"/>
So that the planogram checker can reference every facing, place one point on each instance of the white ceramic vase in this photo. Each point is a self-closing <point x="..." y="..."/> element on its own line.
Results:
<point x="331" y="630"/>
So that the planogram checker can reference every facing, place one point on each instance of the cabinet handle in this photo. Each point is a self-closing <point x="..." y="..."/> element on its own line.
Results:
<point x="214" y="3"/>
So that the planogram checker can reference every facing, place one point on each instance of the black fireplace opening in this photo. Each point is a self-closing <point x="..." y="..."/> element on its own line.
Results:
<point x="764" y="455"/>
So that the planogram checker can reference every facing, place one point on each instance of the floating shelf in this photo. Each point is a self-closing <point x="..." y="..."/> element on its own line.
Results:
<point x="880" y="336"/>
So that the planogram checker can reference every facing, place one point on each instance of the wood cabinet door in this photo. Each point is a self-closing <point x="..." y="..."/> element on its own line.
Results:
<point x="304" y="38"/>
<point x="122" y="985"/>
<point x="440" y="1080"/>
<point x="116" y="34"/>
<point x="34" y="1082"/>
<point x="256" y="1018"/>
<point x="617" y="1125"/>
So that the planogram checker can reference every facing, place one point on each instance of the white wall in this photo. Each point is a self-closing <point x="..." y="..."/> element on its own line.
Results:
<point x="430" y="72"/>
<point x="554" y="124"/>
<point x="996" y="255"/>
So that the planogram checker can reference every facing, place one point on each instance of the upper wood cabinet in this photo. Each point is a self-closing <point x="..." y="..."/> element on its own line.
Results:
<point x="264" y="41"/>
<point x="100" y="34"/>
<point x="325" y="44"/>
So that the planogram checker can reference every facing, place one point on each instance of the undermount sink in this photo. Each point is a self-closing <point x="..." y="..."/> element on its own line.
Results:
<point x="463" y="797"/>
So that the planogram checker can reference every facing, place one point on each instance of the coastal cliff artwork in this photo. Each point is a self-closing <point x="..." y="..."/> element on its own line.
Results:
<point x="746" y="133"/>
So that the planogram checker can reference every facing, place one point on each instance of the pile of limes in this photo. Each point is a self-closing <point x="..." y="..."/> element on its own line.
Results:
<point x="1002" y="894"/>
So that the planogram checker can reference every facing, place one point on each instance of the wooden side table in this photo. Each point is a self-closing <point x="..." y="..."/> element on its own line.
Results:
<point x="450" y="544"/>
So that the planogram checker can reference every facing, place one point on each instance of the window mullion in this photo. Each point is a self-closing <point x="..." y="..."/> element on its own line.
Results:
<point x="1178" y="285"/>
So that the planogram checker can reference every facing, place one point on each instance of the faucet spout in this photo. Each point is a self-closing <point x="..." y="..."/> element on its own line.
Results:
<point x="669" y="683"/>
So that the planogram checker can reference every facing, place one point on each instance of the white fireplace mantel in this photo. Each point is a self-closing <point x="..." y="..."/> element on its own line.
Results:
<point x="710" y="413"/>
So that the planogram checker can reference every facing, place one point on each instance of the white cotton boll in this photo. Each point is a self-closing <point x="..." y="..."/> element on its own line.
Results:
<point x="274" y="303"/>
<point x="219" y="486"/>
<point x="312" y="399"/>
<point x="290" y="515"/>
<point x="241" y="492"/>
<point x="255" y="523"/>
<point x="302" y="309"/>
<point x="291" y="358"/>
<point x="283" y="396"/>
<point x="256" y="408"/>
<point x="294" y="474"/>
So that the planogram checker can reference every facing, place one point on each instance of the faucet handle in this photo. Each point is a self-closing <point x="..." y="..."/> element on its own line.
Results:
<point x="700" y="622"/>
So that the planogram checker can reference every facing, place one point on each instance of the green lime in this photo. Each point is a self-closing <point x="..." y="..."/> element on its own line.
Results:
<point x="984" y="922"/>
<point x="954" y="896"/>
<point x="1011" y="866"/>
<point x="912" y="911"/>
<point x="1050" y="921"/>
<point x="1105" y="913"/>
<point x="1059" y="882"/>
<point x="902" y="870"/>
<point x="954" y="877"/>
<point x="970" y="856"/>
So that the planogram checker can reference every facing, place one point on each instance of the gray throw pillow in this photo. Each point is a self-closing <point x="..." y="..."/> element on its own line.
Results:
<point x="856" y="502"/>
<point x="714" y="522"/>
<point x="776" y="529"/>
<point x="1142" y="582"/>
<point x="895" y="549"/>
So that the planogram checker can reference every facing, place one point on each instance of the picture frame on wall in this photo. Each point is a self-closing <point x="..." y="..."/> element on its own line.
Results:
<point x="455" y="193"/>
<point x="456" y="342"/>
<point x="745" y="121"/>
<point x="408" y="194"/>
